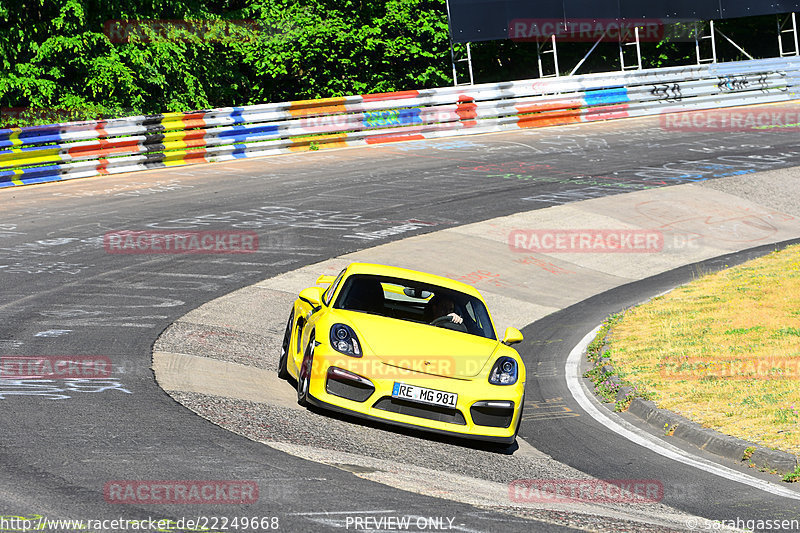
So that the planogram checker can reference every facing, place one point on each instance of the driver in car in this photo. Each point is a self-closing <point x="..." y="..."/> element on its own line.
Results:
<point x="441" y="306"/>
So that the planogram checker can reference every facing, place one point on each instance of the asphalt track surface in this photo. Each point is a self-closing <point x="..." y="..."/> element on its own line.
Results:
<point x="64" y="295"/>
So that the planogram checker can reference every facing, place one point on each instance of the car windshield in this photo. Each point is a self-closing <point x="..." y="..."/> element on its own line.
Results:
<point x="415" y="302"/>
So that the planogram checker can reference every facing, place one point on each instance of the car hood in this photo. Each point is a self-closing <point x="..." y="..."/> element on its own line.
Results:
<point x="421" y="347"/>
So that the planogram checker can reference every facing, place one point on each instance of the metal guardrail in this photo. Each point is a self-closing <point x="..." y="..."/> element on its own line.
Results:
<point x="55" y="152"/>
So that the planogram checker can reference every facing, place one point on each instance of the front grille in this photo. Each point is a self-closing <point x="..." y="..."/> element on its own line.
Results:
<point x="491" y="416"/>
<point x="420" y="410"/>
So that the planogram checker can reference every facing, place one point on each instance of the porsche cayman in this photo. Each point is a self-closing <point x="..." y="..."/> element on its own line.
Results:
<point x="406" y="348"/>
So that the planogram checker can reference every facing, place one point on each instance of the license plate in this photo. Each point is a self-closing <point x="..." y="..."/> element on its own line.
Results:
<point x="423" y="395"/>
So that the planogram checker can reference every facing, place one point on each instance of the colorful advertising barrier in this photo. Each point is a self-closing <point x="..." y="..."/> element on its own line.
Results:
<point x="57" y="152"/>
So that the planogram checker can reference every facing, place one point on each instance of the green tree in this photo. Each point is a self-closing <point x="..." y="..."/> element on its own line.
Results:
<point x="58" y="54"/>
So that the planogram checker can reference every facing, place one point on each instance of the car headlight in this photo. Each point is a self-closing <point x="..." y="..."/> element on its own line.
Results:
<point x="344" y="340"/>
<point x="504" y="372"/>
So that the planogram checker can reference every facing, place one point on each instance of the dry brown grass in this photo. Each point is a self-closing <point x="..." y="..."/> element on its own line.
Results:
<point x="723" y="350"/>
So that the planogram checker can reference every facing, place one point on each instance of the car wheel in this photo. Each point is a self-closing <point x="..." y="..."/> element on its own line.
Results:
<point x="283" y="371"/>
<point x="304" y="380"/>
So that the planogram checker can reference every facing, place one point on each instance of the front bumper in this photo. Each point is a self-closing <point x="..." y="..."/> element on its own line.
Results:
<point x="483" y="411"/>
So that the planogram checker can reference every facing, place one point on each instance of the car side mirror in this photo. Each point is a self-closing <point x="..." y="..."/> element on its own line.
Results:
<point x="323" y="279"/>
<point x="512" y="336"/>
<point x="312" y="296"/>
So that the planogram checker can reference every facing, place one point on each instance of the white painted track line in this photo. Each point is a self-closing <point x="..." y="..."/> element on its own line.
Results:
<point x="623" y="428"/>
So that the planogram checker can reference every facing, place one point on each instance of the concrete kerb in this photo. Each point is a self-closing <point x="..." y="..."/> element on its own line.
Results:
<point x="691" y="432"/>
<point x="717" y="443"/>
<point x="521" y="288"/>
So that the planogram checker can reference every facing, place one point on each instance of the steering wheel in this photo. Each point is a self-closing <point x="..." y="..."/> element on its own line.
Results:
<point x="447" y="323"/>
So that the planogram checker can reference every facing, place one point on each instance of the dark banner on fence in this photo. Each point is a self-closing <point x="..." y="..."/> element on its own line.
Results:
<point x="491" y="20"/>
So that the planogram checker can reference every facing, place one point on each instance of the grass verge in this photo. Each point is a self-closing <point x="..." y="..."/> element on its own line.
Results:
<point x="723" y="350"/>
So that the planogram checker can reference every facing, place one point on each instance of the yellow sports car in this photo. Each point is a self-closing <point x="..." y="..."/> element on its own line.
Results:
<point x="406" y="348"/>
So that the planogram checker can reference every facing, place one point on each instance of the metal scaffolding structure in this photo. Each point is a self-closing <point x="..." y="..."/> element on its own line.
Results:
<point x="783" y="30"/>
<point x="466" y="59"/>
<point x="706" y="36"/>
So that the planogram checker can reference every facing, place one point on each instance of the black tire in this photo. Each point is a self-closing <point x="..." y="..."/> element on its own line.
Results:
<point x="283" y="371"/>
<point x="304" y="379"/>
